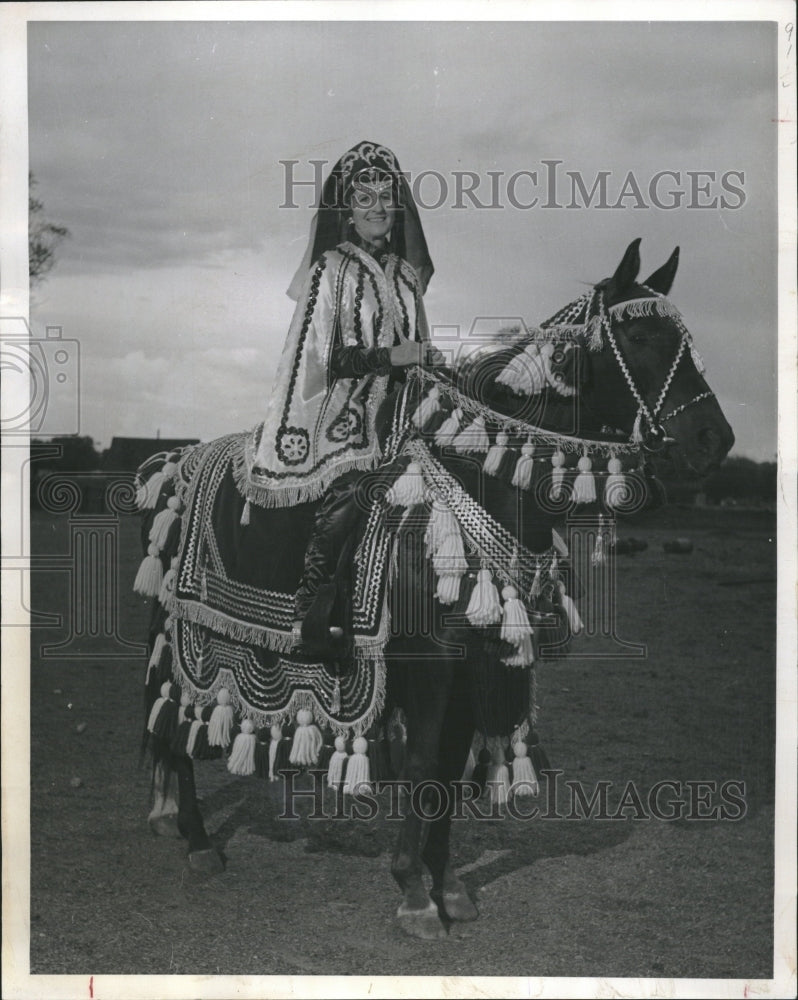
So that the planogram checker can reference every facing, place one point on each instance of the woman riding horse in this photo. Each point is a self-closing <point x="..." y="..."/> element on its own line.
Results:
<point x="359" y="322"/>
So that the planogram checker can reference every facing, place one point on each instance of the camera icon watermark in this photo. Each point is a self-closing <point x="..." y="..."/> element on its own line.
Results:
<point x="41" y="381"/>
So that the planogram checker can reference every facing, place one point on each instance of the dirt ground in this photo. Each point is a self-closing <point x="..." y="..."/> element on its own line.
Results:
<point x="627" y="897"/>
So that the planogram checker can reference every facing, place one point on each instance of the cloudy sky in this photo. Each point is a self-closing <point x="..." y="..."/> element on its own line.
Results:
<point x="159" y="146"/>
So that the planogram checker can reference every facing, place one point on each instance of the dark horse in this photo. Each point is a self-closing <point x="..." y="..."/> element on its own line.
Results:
<point x="618" y="376"/>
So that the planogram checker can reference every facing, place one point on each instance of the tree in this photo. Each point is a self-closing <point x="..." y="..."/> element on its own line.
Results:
<point x="43" y="237"/>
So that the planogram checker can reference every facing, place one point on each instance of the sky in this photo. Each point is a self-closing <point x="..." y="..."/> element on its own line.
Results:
<point x="159" y="145"/>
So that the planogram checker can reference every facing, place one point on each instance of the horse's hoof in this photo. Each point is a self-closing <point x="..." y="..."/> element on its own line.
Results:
<point x="458" y="906"/>
<point x="207" y="862"/>
<point x="424" y="924"/>
<point x="165" y="825"/>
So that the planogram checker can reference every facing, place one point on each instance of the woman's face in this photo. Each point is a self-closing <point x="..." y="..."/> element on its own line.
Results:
<point x="373" y="209"/>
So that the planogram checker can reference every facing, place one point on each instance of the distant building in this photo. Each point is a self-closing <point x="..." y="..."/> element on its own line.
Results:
<point x="126" y="454"/>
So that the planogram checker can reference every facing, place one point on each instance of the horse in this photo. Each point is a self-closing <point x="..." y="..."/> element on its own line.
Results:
<point x="489" y="444"/>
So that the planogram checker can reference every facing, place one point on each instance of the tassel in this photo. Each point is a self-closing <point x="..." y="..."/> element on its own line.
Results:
<point x="244" y="520"/>
<point x="307" y="740"/>
<point x="168" y="582"/>
<point x="165" y="725"/>
<point x="470" y="764"/>
<point x="616" y="489"/>
<point x="698" y="361"/>
<point x="484" y="608"/>
<point x="584" y="490"/>
<point x="493" y="462"/>
<point x="185" y="701"/>
<point x="450" y="559"/>
<point x="524" y="467"/>
<point x="152" y="490"/>
<point x="442" y="523"/>
<point x="357" y="769"/>
<point x="242" y="756"/>
<point x="335" y="769"/>
<point x="276" y="734"/>
<point x="221" y="722"/>
<point x="574" y="621"/>
<point x="163" y="521"/>
<point x="472" y="438"/>
<point x="428" y="407"/>
<point x="150" y="574"/>
<point x="516" y="630"/>
<point x="554" y="569"/>
<point x="191" y="742"/>
<point x="637" y="430"/>
<point x="408" y="489"/>
<point x="335" y="701"/>
<point x="448" y="589"/>
<point x="449" y="429"/>
<point x="155" y="655"/>
<point x="536" y="589"/>
<point x="532" y="376"/>
<point x="498" y="777"/>
<point x="594" y="333"/>
<point x="158" y="705"/>
<point x="558" y="476"/>
<point x="599" y="558"/>
<point x="525" y="781"/>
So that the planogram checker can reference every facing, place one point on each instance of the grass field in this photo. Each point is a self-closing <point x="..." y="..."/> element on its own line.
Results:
<point x="558" y="897"/>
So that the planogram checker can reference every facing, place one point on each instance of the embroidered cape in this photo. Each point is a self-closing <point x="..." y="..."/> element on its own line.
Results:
<point x="317" y="427"/>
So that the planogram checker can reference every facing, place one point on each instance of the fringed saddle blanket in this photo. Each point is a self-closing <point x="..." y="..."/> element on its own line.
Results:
<point x="232" y="603"/>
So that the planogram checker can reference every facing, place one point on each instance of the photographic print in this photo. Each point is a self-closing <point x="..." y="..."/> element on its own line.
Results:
<point x="399" y="485"/>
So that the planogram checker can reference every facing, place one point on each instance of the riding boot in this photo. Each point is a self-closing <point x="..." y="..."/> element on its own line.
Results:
<point x="318" y="604"/>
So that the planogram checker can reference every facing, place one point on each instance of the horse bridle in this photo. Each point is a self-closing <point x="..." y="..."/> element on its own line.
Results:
<point x="655" y="437"/>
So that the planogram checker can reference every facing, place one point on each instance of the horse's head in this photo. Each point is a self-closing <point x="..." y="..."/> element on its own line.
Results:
<point x="644" y="367"/>
<point x="616" y="364"/>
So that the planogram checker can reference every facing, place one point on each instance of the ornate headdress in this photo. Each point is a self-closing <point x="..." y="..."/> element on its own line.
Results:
<point x="366" y="166"/>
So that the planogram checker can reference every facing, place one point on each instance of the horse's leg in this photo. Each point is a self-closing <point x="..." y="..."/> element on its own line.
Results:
<point x="163" y="815"/>
<point x="458" y="728"/>
<point x="202" y="855"/>
<point x="427" y="694"/>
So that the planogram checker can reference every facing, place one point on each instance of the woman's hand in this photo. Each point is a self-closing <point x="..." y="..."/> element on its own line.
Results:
<point x="411" y="352"/>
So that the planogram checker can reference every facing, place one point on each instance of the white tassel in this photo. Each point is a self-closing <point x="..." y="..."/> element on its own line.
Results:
<point x="470" y="764"/>
<point x="242" y="756"/>
<point x="220" y="724"/>
<point x="472" y="438"/>
<point x="536" y="588"/>
<point x="554" y="569"/>
<point x="448" y="590"/>
<point x="428" y="406"/>
<point x="498" y="776"/>
<point x="155" y="655"/>
<point x="484" y="608"/>
<point x="335" y="770"/>
<point x="152" y="490"/>
<point x="616" y="489"/>
<point x="307" y="742"/>
<point x="335" y="701"/>
<point x="493" y="460"/>
<point x="168" y="582"/>
<point x="525" y="374"/>
<point x="158" y="705"/>
<point x="449" y="429"/>
<point x="191" y="742"/>
<point x="245" y="514"/>
<point x="408" y="490"/>
<point x="442" y="522"/>
<point x="525" y="781"/>
<point x="150" y="575"/>
<point x="558" y="475"/>
<point x="637" y="430"/>
<point x="276" y="733"/>
<point x="163" y="521"/>
<point x="524" y="467"/>
<point x="357" y="770"/>
<point x="598" y="558"/>
<point x="574" y="621"/>
<point x="516" y="630"/>
<point x="584" y="490"/>
<point x="185" y="701"/>
<point x="450" y="559"/>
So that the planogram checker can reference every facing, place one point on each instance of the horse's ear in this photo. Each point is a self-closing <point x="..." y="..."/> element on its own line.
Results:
<point x="626" y="273"/>
<point x="662" y="279"/>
